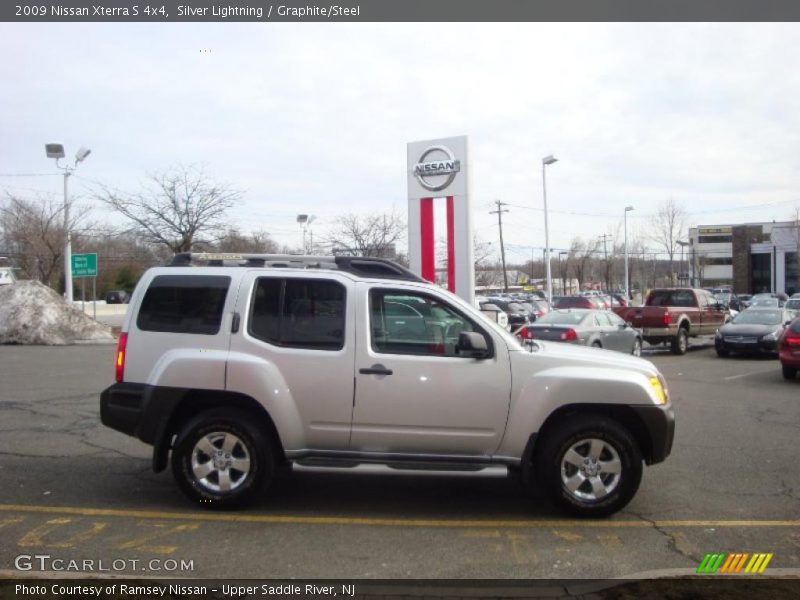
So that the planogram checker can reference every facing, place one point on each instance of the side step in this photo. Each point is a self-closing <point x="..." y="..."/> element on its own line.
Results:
<point x="325" y="465"/>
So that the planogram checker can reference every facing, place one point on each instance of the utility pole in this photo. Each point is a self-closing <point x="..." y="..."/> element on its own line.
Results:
<point x="499" y="212"/>
<point x="606" y="237"/>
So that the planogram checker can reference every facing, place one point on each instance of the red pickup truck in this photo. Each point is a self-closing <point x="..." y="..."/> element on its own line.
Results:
<point x="673" y="315"/>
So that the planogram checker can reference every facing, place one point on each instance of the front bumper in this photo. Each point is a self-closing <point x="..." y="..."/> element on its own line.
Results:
<point x="659" y="421"/>
<point x="753" y="347"/>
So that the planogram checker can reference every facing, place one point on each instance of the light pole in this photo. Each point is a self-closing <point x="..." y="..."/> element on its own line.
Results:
<point x="305" y="221"/>
<point x="547" y="160"/>
<point x="56" y="150"/>
<point x="627" y="285"/>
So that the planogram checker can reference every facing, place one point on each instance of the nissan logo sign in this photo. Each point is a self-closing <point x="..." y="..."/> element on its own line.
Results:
<point x="437" y="168"/>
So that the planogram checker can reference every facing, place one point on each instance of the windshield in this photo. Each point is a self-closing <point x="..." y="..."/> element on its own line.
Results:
<point x="758" y="317"/>
<point x="793" y="304"/>
<point x="562" y="318"/>
<point x="768" y="302"/>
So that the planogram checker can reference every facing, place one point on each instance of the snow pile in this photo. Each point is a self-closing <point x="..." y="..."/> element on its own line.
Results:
<point x="32" y="313"/>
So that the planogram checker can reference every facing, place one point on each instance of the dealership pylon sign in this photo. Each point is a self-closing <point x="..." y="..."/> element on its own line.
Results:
<point x="440" y="169"/>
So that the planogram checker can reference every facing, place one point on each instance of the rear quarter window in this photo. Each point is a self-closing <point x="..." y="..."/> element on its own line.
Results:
<point x="184" y="304"/>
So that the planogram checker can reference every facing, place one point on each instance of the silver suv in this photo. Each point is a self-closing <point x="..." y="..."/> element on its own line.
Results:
<point x="252" y="361"/>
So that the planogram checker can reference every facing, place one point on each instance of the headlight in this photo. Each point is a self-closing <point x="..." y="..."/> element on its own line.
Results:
<point x="660" y="388"/>
<point x="771" y="337"/>
<point x="718" y="335"/>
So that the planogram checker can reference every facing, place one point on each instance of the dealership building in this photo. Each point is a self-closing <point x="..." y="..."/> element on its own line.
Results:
<point x="750" y="258"/>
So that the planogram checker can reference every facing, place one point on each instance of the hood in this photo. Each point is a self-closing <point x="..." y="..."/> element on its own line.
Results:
<point x="749" y="329"/>
<point x="557" y="354"/>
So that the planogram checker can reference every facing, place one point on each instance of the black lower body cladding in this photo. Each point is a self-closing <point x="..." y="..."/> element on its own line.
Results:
<point x="660" y="424"/>
<point x="139" y="410"/>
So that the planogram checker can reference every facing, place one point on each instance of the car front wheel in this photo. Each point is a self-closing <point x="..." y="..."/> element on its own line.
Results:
<point x="637" y="347"/>
<point x="221" y="460"/>
<point x="590" y="466"/>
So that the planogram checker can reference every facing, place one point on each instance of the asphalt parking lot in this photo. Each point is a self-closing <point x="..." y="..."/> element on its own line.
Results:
<point x="74" y="490"/>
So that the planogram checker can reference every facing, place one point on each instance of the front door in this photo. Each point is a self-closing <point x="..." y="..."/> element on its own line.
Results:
<point x="414" y="393"/>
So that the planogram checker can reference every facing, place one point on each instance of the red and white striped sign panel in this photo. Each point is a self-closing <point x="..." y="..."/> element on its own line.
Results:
<point x="440" y="169"/>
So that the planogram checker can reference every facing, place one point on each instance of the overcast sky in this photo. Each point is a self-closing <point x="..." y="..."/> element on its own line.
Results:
<point x="314" y="118"/>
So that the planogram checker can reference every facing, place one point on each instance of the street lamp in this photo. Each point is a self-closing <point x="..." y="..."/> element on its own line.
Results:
<point x="305" y="221"/>
<point x="627" y="291"/>
<point x="547" y="160"/>
<point x="56" y="150"/>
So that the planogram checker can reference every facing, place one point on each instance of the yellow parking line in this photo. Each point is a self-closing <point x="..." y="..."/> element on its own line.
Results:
<point x="308" y="520"/>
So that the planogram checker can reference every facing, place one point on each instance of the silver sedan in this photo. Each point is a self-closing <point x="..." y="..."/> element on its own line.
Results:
<point x="594" y="328"/>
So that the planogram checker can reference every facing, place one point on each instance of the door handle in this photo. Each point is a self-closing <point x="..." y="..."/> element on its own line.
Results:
<point x="376" y="370"/>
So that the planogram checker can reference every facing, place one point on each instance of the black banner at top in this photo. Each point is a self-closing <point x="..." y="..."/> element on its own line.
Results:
<point x="160" y="11"/>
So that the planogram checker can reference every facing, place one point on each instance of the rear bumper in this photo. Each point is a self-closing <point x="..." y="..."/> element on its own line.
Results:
<point x="139" y="410"/>
<point x="660" y="424"/>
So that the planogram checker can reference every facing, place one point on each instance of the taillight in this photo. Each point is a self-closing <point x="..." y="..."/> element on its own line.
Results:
<point x="667" y="318"/>
<point x="120" y="365"/>
<point x="525" y="334"/>
<point x="569" y="335"/>
<point x="539" y="313"/>
<point x="791" y="339"/>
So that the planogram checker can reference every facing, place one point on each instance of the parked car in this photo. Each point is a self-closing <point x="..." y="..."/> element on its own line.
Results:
<point x="589" y="302"/>
<point x="673" y="315"/>
<point x="594" y="328"/>
<point x="793" y="304"/>
<point x="789" y="349"/>
<point x="495" y="313"/>
<point x="765" y="302"/>
<point x="729" y="300"/>
<point x="231" y="367"/>
<point x="117" y="297"/>
<point x="752" y="331"/>
<point x="518" y="315"/>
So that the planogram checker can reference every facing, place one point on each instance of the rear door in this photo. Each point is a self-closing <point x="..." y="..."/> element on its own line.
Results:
<point x="295" y="350"/>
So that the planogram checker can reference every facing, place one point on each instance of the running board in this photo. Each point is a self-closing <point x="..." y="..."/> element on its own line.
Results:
<point x="437" y="469"/>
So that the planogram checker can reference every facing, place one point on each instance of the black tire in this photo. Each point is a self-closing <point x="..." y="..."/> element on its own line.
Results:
<point x="249" y="447"/>
<point x="722" y="353"/>
<point x="596" y="344"/>
<point x="680" y="343"/>
<point x="637" y="347"/>
<point x="789" y="372"/>
<point x="550" y="457"/>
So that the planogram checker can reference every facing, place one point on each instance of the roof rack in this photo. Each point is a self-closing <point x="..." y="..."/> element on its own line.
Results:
<point x="357" y="265"/>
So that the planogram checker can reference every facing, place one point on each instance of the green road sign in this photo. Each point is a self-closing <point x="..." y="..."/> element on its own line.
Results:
<point x="84" y="265"/>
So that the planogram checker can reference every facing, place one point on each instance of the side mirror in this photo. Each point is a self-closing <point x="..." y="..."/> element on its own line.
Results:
<point x="472" y="344"/>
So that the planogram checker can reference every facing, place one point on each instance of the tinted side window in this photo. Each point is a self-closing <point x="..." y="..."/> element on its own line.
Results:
<point x="298" y="313"/>
<point x="184" y="304"/>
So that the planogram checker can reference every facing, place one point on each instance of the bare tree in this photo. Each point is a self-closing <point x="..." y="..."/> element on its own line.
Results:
<point x="668" y="226"/>
<point x="582" y="254"/>
<point x="34" y="235"/>
<point x="371" y="235"/>
<point x="177" y="210"/>
<point x="257" y="242"/>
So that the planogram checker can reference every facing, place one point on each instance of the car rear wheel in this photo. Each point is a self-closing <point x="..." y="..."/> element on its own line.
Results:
<point x="590" y="466"/>
<point x="637" y="347"/>
<point x="680" y="343"/>
<point x="221" y="460"/>
<point x="597" y="345"/>
<point x="789" y="372"/>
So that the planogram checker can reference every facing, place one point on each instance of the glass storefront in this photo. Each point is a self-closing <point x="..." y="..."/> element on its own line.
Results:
<point x="790" y="265"/>
<point x="761" y="280"/>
